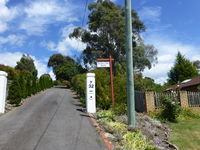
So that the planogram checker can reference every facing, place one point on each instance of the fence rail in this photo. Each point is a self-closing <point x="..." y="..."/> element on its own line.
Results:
<point x="158" y="96"/>
<point x="193" y="99"/>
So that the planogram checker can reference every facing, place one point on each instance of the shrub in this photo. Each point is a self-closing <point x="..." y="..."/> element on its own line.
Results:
<point x="107" y="115"/>
<point x="14" y="94"/>
<point x="66" y="83"/>
<point x="78" y="84"/>
<point x="12" y="73"/>
<point x="103" y="93"/>
<point x="57" y="82"/>
<point x="119" y="108"/>
<point x="170" y="109"/>
<point x="186" y="114"/>
<point x="120" y="88"/>
<point x="136" y="141"/>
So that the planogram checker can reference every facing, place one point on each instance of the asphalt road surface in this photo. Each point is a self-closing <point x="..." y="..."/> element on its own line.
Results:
<point x="51" y="120"/>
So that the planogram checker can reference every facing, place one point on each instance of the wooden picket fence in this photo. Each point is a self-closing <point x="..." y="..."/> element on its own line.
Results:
<point x="193" y="99"/>
<point x="158" y="96"/>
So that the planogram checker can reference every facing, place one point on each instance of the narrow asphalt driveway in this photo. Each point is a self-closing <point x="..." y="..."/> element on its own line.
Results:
<point x="51" y="120"/>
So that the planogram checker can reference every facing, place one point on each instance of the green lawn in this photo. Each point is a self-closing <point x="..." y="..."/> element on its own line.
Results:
<point x="186" y="134"/>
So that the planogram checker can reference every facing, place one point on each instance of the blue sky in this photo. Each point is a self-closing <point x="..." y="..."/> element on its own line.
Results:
<point x="41" y="28"/>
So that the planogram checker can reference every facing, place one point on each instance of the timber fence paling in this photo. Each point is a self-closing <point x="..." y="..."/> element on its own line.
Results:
<point x="158" y="96"/>
<point x="140" y="103"/>
<point x="193" y="99"/>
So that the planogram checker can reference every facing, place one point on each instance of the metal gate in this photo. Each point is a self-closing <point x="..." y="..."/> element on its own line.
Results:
<point x="140" y="103"/>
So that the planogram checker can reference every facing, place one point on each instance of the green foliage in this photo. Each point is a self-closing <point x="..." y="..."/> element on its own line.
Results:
<point x="64" y="67"/>
<point x="136" y="141"/>
<point x="27" y="63"/>
<point x="103" y="92"/>
<point x="105" y="36"/>
<point x="170" y="109"/>
<point x="45" y="81"/>
<point x="197" y="64"/>
<point x="78" y="84"/>
<point x="67" y="71"/>
<point x="12" y="73"/>
<point x="106" y="115"/>
<point x="183" y="69"/>
<point x="188" y="114"/>
<point x="28" y="86"/>
<point x="57" y="60"/>
<point x="146" y="84"/>
<point x="102" y="88"/>
<point x="24" y="84"/>
<point x="14" y="94"/>
<point x="128" y="140"/>
<point x="120" y="88"/>
<point x="57" y="82"/>
<point x="119" y="108"/>
<point x="34" y="85"/>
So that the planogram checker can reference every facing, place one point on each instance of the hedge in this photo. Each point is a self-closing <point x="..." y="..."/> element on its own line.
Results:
<point x="23" y="84"/>
<point x="103" y="91"/>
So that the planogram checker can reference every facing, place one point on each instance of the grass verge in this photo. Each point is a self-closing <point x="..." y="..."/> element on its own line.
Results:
<point x="186" y="132"/>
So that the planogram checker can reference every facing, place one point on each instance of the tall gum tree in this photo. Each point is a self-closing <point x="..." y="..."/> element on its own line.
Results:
<point x="106" y="36"/>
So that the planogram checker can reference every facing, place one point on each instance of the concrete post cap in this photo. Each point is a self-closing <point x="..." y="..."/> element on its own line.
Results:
<point x="3" y="73"/>
<point x="90" y="74"/>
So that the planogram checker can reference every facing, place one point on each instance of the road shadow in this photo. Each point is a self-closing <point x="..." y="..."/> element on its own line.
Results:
<point x="61" y="87"/>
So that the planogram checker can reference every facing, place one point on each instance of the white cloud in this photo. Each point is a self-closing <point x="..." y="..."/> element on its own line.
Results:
<point x="65" y="45"/>
<point x="10" y="59"/>
<point x="40" y="13"/>
<point x="6" y="15"/>
<point x="52" y="75"/>
<point x="167" y="50"/>
<point x="13" y="39"/>
<point x="151" y="14"/>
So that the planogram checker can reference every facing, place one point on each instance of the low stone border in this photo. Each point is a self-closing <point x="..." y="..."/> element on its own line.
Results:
<point x="101" y="133"/>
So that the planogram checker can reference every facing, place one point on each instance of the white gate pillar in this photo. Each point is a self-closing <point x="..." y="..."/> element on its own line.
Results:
<point x="3" y="88"/>
<point x="90" y="93"/>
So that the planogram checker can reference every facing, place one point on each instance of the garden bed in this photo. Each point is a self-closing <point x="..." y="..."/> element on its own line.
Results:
<point x="148" y="135"/>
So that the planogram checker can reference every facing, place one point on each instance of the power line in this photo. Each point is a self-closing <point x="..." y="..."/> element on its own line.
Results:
<point x="85" y="10"/>
<point x="83" y="19"/>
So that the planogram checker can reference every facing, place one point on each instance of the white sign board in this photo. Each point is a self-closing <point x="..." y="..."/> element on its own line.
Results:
<point x="90" y="93"/>
<point x="103" y="64"/>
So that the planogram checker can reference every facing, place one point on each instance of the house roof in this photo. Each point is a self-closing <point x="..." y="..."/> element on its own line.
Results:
<point x="186" y="83"/>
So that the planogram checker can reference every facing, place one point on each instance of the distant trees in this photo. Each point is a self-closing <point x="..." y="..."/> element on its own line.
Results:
<point x="64" y="67"/>
<point x="183" y="69"/>
<point x="197" y="64"/>
<point x="27" y="63"/>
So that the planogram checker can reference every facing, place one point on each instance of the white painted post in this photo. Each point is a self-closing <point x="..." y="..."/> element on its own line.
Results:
<point x="3" y="88"/>
<point x="90" y="93"/>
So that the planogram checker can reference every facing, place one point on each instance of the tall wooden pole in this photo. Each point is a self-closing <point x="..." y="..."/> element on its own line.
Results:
<point x="111" y="80"/>
<point x="129" y="64"/>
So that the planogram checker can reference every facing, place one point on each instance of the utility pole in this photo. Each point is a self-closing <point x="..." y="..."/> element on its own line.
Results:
<point x="129" y="64"/>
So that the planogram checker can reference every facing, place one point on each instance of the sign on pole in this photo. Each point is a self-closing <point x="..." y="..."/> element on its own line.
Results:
<point x="90" y="93"/>
<point x="107" y="63"/>
<point x="103" y="64"/>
